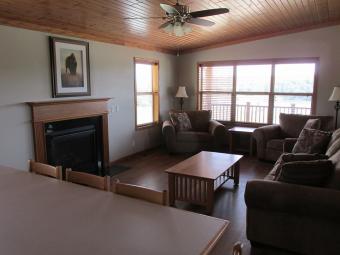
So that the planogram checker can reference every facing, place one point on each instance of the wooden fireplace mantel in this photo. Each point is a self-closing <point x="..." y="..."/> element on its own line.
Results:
<point x="58" y="110"/>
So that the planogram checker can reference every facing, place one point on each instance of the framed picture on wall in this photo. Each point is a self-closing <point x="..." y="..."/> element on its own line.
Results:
<point x="70" y="67"/>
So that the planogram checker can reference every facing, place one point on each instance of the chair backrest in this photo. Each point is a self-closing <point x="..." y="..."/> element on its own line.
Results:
<point x="94" y="181"/>
<point x="44" y="169"/>
<point x="292" y="124"/>
<point x="153" y="196"/>
<point x="199" y="119"/>
<point x="237" y="250"/>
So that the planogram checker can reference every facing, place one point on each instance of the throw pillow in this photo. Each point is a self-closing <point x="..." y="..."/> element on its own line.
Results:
<point x="313" y="124"/>
<point x="312" y="141"/>
<point x="181" y="121"/>
<point x="312" y="173"/>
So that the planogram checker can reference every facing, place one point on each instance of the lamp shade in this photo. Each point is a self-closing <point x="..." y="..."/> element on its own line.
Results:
<point x="335" y="94"/>
<point x="181" y="92"/>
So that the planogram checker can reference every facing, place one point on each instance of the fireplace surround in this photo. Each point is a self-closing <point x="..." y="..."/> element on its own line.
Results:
<point x="72" y="133"/>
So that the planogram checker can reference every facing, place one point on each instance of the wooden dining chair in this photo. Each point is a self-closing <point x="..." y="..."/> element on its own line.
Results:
<point x="94" y="181"/>
<point x="237" y="250"/>
<point x="44" y="169"/>
<point x="135" y="191"/>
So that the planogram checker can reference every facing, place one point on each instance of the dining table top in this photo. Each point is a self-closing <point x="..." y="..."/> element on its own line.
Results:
<point x="42" y="215"/>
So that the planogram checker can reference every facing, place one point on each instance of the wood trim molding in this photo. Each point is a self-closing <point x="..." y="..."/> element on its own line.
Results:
<point x="260" y="37"/>
<point x="58" y="110"/>
<point x="86" y="36"/>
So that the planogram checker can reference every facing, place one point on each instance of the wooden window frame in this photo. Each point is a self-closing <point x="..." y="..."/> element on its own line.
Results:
<point x="154" y="93"/>
<point x="271" y="94"/>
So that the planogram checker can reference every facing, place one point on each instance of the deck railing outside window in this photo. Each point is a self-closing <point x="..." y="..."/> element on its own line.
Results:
<point x="255" y="114"/>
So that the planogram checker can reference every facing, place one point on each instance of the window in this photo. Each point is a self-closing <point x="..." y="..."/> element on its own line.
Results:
<point x="146" y="92"/>
<point x="257" y="91"/>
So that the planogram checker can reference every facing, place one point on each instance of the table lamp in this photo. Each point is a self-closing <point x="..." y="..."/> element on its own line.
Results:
<point x="181" y="94"/>
<point x="336" y="97"/>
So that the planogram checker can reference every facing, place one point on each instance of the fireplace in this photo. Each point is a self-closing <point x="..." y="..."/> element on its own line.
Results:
<point x="72" y="134"/>
<point x="75" y="144"/>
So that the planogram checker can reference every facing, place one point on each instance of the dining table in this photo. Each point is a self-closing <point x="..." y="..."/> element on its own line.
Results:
<point x="43" y="215"/>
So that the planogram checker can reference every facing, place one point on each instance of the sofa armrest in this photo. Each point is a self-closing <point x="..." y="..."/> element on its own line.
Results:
<point x="262" y="135"/>
<point x="219" y="132"/>
<point x="169" y="134"/>
<point x="288" y="144"/>
<point x="299" y="200"/>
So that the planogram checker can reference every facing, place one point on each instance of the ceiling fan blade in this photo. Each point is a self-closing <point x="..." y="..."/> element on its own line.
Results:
<point x="147" y="18"/>
<point x="164" y="25"/>
<point x="201" y="22"/>
<point x="210" y="12"/>
<point x="169" y="9"/>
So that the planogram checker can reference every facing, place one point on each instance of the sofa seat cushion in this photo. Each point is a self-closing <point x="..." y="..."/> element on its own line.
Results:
<point x="275" y="144"/>
<point x="191" y="136"/>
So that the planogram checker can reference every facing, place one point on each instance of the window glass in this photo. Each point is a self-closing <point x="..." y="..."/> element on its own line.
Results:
<point x="294" y="78"/>
<point x="291" y="105"/>
<point x="253" y="78"/>
<point x="143" y="77"/>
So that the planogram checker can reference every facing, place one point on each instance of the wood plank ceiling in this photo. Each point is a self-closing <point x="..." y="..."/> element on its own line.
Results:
<point x="103" y="20"/>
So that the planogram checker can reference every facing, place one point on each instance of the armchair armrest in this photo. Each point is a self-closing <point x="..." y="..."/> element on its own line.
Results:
<point x="219" y="132"/>
<point x="262" y="135"/>
<point x="288" y="144"/>
<point x="169" y="135"/>
<point x="299" y="200"/>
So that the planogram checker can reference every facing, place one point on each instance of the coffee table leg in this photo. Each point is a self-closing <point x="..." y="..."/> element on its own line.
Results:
<point x="171" y="180"/>
<point x="210" y="196"/>
<point x="236" y="173"/>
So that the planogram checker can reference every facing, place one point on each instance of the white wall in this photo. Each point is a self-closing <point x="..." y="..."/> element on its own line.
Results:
<point x="25" y="76"/>
<point x="323" y="43"/>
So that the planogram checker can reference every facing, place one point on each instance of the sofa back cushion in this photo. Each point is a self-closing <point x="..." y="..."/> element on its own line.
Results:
<point x="292" y="124"/>
<point x="199" y="120"/>
<point x="313" y="173"/>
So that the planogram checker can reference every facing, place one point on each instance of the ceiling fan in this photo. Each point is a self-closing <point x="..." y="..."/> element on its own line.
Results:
<point x="178" y="16"/>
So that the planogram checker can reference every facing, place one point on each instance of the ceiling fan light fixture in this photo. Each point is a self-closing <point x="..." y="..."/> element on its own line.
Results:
<point x="186" y="28"/>
<point x="178" y="29"/>
<point x="169" y="28"/>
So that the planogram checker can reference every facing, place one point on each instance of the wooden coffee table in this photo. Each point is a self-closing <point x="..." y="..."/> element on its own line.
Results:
<point x="196" y="179"/>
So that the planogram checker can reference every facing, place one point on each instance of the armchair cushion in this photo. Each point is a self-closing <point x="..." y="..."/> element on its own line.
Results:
<point x="312" y="141"/>
<point x="288" y="144"/>
<point x="192" y="136"/>
<point x="199" y="120"/>
<point x="311" y="173"/>
<point x="275" y="144"/>
<point x="180" y="120"/>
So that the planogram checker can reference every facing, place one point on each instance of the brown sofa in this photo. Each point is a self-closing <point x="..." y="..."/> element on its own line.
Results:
<point x="285" y="218"/>
<point x="272" y="140"/>
<point x="206" y="134"/>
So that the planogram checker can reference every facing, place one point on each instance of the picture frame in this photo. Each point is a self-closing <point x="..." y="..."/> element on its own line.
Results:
<point x="70" y="67"/>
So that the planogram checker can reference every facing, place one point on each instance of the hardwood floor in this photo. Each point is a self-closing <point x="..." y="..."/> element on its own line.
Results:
<point x="147" y="169"/>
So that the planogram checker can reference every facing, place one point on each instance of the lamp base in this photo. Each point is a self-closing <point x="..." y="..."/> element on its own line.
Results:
<point x="181" y="102"/>
<point x="337" y="107"/>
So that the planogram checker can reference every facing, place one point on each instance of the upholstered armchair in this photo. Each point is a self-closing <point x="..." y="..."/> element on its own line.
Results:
<point x="272" y="140"/>
<point x="206" y="134"/>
